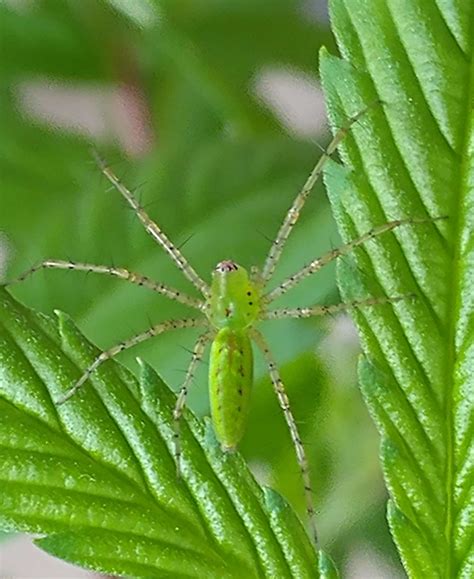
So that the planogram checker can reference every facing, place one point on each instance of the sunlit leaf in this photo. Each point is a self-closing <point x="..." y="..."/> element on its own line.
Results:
<point x="413" y="156"/>
<point x="96" y="476"/>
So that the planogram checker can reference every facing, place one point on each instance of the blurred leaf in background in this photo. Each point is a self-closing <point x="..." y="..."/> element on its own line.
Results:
<point x="186" y="100"/>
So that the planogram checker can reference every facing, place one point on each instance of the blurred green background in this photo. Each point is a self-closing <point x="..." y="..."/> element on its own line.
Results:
<point x="211" y="112"/>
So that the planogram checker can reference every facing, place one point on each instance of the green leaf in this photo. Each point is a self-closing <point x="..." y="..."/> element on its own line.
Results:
<point x="412" y="156"/>
<point x="96" y="476"/>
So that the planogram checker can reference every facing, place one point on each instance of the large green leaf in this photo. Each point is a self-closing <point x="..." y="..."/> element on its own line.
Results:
<point x="413" y="156"/>
<point x="97" y="478"/>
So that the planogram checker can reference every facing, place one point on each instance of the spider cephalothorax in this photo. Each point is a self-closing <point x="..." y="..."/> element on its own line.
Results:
<point x="234" y="300"/>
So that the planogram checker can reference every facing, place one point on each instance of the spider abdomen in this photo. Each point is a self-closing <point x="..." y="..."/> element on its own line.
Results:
<point x="230" y="383"/>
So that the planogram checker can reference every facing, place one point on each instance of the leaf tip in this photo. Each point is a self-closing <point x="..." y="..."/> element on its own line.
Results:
<point x="151" y="385"/>
<point x="66" y="325"/>
<point x="273" y="500"/>
<point x="327" y="567"/>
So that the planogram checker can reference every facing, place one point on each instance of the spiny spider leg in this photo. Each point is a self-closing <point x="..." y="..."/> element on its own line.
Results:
<point x="120" y="272"/>
<point x="294" y="212"/>
<point x="198" y="352"/>
<point x="142" y="337"/>
<point x="155" y="230"/>
<point x="283" y="313"/>
<point x="291" y="422"/>
<point x="320" y="262"/>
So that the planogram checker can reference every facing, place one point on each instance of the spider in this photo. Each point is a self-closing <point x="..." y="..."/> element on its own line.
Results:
<point x="228" y="313"/>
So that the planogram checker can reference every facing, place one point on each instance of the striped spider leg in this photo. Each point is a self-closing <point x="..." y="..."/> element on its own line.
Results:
<point x="177" y="257"/>
<point x="119" y="272"/>
<point x="137" y="279"/>
<point x="155" y="231"/>
<point x="153" y="331"/>
<point x="197" y="355"/>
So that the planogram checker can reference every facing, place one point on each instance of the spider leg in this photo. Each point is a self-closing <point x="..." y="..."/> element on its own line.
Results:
<point x="130" y="343"/>
<point x="155" y="230"/>
<point x="280" y="314"/>
<point x="317" y="264"/>
<point x="197" y="355"/>
<point x="291" y="422"/>
<point x="119" y="272"/>
<point x="294" y="212"/>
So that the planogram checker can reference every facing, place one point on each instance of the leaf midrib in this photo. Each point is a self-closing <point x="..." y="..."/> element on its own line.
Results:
<point x="454" y="307"/>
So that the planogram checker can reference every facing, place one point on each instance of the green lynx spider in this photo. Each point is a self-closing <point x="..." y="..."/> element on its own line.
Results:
<point x="230" y="309"/>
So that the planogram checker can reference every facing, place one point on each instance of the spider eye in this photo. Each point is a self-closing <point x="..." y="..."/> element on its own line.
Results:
<point x="226" y="266"/>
